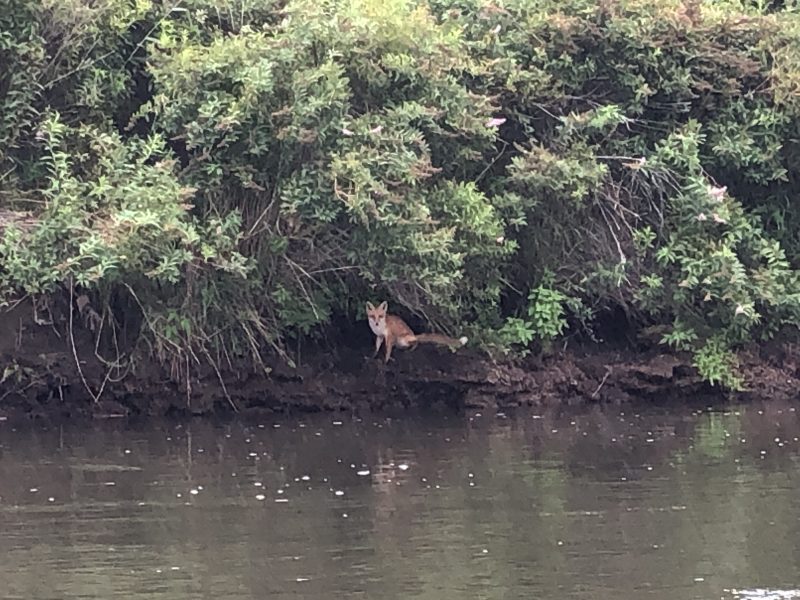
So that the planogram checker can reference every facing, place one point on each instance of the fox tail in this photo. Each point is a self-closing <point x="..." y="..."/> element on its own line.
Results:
<point x="442" y="340"/>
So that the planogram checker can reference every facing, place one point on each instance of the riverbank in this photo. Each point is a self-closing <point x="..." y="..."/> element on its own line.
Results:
<point x="41" y="379"/>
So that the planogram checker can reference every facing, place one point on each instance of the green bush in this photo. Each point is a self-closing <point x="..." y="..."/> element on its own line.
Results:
<point x="243" y="172"/>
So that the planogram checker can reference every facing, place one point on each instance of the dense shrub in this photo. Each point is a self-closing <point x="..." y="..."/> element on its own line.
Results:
<point x="243" y="172"/>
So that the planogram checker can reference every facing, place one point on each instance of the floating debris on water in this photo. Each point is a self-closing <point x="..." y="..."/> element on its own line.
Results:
<point x="765" y="594"/>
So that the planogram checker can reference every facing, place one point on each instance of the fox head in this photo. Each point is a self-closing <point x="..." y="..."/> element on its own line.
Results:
<point x="377" y="316"/>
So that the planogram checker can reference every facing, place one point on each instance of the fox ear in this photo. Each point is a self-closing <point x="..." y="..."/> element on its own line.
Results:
<point x="384" y="305"/>
<point x="370" y="306"/>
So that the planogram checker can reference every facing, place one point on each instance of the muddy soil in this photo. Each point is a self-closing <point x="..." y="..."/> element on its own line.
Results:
<point x="40" y="378"/>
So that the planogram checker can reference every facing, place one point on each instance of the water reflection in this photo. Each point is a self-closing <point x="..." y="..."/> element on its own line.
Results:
<point x="593" y="503"/>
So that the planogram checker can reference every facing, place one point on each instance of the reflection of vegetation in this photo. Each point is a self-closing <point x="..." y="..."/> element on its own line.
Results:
<point x="559" y="513"/>
<point x="715" y="432"/>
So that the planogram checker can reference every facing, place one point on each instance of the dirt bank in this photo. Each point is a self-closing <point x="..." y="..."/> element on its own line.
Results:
<point x="40" y="378"/>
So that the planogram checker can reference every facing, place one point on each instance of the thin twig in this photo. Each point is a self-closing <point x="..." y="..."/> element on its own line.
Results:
<point x="221" y="381"/>
<point x="494" y="160"/>
<point x="608" y="372"/>
<point x="293" y="265"/>
<point x="152" y="29"/>
<point x="188" y="384"/>
<point x="95" y="397"/>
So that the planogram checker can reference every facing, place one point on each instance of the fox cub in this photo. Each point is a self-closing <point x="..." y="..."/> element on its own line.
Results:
<point x="392" y="331"/>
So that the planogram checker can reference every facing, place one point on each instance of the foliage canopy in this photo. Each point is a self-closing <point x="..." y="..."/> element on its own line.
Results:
<point x="243" y="171"/>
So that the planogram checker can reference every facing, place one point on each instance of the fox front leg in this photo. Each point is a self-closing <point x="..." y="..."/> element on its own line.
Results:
<point x="378" y="342"/>
<point x="388" y="350"/>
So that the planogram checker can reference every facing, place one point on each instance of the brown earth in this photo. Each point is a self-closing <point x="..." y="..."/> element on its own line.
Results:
<point x="40" y="378"/>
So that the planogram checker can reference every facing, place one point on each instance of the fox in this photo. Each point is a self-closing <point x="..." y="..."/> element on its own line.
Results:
<point x="392" y="331"/>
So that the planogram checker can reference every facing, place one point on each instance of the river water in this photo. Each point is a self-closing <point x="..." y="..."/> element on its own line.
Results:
<point x="595" y="503"/>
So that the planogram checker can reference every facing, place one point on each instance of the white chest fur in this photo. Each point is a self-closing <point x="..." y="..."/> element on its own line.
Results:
<point x="378" y="327"/>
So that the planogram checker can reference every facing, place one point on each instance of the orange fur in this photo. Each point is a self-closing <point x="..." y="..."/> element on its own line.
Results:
<point x="391" y="331"/>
